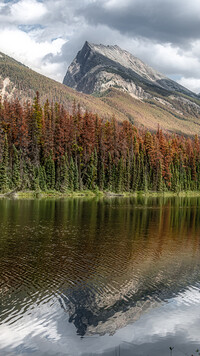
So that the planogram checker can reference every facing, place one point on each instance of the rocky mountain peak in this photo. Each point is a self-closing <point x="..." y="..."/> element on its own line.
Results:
<point x="98" y="67"/>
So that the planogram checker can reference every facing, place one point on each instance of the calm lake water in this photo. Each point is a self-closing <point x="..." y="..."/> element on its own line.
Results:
<point x="100" y="277"/>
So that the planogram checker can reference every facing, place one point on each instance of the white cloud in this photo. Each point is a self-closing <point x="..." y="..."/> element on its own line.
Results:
<point x="192" y="83"/>
<point x="165" y="57"/>
<point x="27" y="11"/>
<point x="116" y="4"/>
<point x="2" y="5"/>
<point x="30" y="52"/>
<point x="46" y="35"/>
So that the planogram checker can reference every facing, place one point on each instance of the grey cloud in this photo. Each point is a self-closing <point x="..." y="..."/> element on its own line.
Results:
<point x="170" y="62"/>
<point x="166" y="20"/>
<point x="99" y="34"/>
<point x="163" y="33"/>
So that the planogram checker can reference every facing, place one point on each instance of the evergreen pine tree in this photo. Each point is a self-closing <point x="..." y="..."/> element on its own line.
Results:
<point x="15" y="168"/>
<point x="50" y="172"/>
<point x="36" y="185"/>
<point x="4" y="166"/>
<point x="92" y="171"/>
<point x="76" y="177"/>
<point x="159" y="177"/>
<point x="101" y="176"/>
<point x="42" y="178"/>
<point x="119" y="176"/>
<point x="133" y="175"/>
<point x="127" y="180"/>
<point x="109" y="174"/>
<point x="63" y="184"/>
<point x="71" y="174"/>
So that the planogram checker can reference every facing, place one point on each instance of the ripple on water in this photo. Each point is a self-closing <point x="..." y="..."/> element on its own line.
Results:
<point x="105" y="269"/>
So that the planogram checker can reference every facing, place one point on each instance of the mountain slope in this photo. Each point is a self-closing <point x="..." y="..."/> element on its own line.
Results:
<point x="98" y="67"/>
<point x="171" y="111"/>
<point x="143" y="95"/>
<point x="148" y="114"/>
<point x="17" y="80"/>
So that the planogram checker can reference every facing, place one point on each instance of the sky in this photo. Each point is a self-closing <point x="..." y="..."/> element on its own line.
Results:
<point x="47" y="34"/>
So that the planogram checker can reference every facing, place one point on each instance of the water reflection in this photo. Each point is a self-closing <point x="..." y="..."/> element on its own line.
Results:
<point x="101" y="265"/>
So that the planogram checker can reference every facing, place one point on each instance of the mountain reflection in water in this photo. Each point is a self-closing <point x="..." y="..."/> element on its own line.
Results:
<point x="140" y="273"/>
<point x="107" y="261"/>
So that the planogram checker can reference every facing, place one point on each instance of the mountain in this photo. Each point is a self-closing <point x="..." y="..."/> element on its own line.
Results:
<point x="97" y="68"/>
<point x="174" y="111"/>
<point x="145" y="96"/>
<point x="17" y="80"/>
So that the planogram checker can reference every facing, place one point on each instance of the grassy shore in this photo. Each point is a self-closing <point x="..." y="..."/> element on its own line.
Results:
<point x="95" y="193"/>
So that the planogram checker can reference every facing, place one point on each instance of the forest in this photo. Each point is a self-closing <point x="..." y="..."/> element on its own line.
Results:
<point x="48" y="148"/>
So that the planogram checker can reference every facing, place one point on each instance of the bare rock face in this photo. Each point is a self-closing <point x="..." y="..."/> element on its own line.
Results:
<point x="97" y="68"/>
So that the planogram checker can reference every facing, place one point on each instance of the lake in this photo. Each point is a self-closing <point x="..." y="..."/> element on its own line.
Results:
<point x="108" y="276"/>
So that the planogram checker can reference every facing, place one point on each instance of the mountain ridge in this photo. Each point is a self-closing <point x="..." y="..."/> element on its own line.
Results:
<point x="19" y="81"/>
<point x="106" y="71"/>
<point x="94" y="59"/>
<point x="171" y="111"/>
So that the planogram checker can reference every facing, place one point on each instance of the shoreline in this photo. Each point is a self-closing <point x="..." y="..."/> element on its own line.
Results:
<point x="95" y="194"/>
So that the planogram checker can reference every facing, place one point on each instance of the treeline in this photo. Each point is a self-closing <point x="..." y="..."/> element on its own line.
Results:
<point x="48" y="148"/>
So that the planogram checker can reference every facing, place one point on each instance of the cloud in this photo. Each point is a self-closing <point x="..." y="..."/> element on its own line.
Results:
<point x="173" y="21"/>
<point x="192" y="83"/>
<point x="30" y="52"/>
<point x="164" y="57"/>
<point x="47" y="34"/>
<point x="27" y="11"/>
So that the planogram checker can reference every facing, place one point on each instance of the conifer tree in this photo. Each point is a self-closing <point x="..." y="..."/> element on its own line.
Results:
<point x="42" y="178"/>
<point x="76" y="176"/>
<point x="16" y="180"/>
<point x="63" y="180"/>
<point x="50" y="172"/>
<point x="133" y="174"/>
<point x="159" y="177"/>
<point x="36" y="141"/>
<point x="109" y="173"/>
<point x="92" y="171"/>
<point x="101" y="179"/>
<point x="4" y="166"/>
<point x="71" y="174"/>
<point x="119" y="176"/>
<point x="127" y="178"/>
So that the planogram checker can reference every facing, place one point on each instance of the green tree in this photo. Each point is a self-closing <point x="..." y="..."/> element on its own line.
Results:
<point x="119" y="176"/>
<point x="4" y="167"/>
<point x="50" y="172"/>
<point x="42" y="178"/>
<point x="16" y="180"/>
<point x="92" y="171"/>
